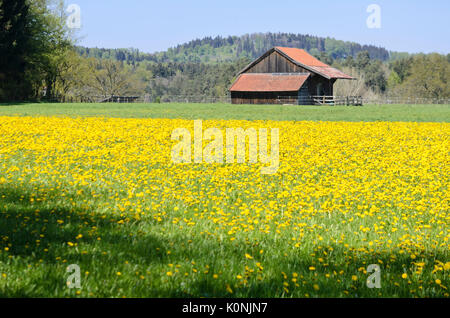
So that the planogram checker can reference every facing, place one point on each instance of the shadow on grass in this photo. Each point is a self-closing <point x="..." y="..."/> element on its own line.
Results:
<point x="31" y="228"/>
<point x="47" y="234"/>
<point x="54" y="236"/>
<point x="6" y="104"/>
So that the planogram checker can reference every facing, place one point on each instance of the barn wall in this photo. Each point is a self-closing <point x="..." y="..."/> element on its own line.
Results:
<point x="264" y="97"/>
<point x="276" y="63"/>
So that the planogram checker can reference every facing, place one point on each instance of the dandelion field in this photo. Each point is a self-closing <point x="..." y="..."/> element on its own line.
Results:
<point x="103" y="193"/>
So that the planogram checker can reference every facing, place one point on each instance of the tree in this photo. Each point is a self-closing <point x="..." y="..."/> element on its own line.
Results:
<point x="33" y="40"/>
<point x="107" y="78"/>
<point x="362" y="60"/>
<point x="402" y="67"/>
<point x="349" y="61"/>
<point x="325" y="58"/>
<point x="429" y="77"/>
<point x="70" y="74"/>
<point x="355" y="87"/>
<point x="15" y="40"/>
<point x="393" y="80"/>
<point x="375" y="76"/>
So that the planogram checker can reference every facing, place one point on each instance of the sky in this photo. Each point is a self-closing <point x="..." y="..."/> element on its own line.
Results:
<point x="405" y="25"/>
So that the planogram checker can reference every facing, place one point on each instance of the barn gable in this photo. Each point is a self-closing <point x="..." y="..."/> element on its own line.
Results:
<point x="292" y="60"/>
<point x="273" y="62"/>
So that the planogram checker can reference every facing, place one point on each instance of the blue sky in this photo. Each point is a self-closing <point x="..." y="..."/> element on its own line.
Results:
<point x="406" y="25"/>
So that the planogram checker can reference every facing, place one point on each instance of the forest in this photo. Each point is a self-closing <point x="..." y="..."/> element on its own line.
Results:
<point x="40" y="60"/>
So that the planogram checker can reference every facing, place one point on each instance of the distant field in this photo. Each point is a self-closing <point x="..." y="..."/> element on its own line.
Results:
<point x="404" y="113"/>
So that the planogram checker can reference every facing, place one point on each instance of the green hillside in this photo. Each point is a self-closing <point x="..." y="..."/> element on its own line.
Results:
<point x="232" y="48"/>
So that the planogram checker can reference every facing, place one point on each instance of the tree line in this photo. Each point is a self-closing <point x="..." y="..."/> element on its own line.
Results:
<point x="408" y="77"/>
<point x="40" y="61"/>
<point x="231" y="48"/>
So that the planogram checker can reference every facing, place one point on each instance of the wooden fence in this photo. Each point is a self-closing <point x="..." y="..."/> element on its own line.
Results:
<point x="337" y="100"/>
<point x="313" y="100"/>
<point x="321" y="100"/>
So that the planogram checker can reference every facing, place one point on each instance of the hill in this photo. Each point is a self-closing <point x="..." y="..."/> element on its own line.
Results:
<point x="232" y="48"/>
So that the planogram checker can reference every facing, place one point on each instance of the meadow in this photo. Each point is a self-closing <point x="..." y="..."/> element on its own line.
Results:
<point x="416" y="113"/>
<point x="94" y="185"/>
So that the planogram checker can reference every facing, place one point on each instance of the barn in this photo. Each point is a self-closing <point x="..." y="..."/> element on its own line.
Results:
<point x="285" y="76"/>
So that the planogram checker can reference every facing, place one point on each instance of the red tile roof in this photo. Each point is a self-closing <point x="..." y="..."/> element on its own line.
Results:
<point x="303" y="58"/>
<point x="267" y="82"/>
<point x="330" y="72"/>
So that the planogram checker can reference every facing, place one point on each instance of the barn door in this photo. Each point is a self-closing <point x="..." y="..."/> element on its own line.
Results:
<point x="319" y="89"/>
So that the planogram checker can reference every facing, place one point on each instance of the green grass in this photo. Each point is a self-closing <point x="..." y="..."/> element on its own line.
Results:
<point x="144" y="251"/>
<point x="406" y="113"/>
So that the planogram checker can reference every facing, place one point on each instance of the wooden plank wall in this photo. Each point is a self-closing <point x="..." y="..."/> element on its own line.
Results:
<point x="264" y="97"/>
<point x="276" y="63"/>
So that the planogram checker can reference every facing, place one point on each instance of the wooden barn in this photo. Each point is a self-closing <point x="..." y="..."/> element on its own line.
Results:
<point x="285" y="76"/>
